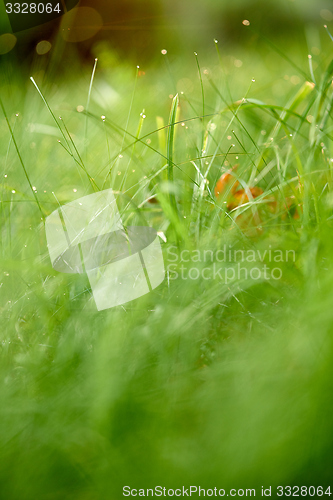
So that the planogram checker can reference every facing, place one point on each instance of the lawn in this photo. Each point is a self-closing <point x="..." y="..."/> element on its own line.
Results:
<point x="221" y="376"/>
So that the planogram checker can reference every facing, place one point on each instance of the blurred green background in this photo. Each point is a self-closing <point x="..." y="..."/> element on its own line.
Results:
<point x="201" y="382"/>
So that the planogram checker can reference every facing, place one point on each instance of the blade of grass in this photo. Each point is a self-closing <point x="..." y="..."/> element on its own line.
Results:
<point x="170" y="146"/>
<point x="21" y="159"/>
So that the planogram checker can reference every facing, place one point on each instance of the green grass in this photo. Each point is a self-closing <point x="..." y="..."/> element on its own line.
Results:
<point x="200" y="382"/>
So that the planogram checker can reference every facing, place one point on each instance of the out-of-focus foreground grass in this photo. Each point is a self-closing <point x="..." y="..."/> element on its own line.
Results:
<point x="201" y="381"/>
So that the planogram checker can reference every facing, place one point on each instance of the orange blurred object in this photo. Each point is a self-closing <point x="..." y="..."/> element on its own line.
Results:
<point x="224" y="181"/>
<point x="228" y="186"/>
<point x="240" y="197"/>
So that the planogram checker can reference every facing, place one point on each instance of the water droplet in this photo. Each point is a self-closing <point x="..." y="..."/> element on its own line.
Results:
<point x="13" y="191"/>
<point x="246" y="22"/>
<point x="164" y="52"/>
<point x="195" y="53"/>
<point x="80" y="108"/>
<point x="74" y="190"/>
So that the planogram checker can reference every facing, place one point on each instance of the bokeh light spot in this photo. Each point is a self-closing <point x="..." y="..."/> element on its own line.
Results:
<point x="43" y="47"/>
<point x="7" y="42"/>
<point x="80" y="24"/>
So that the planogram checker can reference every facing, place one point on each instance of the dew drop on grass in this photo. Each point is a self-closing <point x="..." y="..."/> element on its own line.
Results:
<point x="13" y="191"/>
<point x="246" y="22"/>
<point x="164" y="52"/>
<point x="80" y="108"/>
<point x="74" y="190"/>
